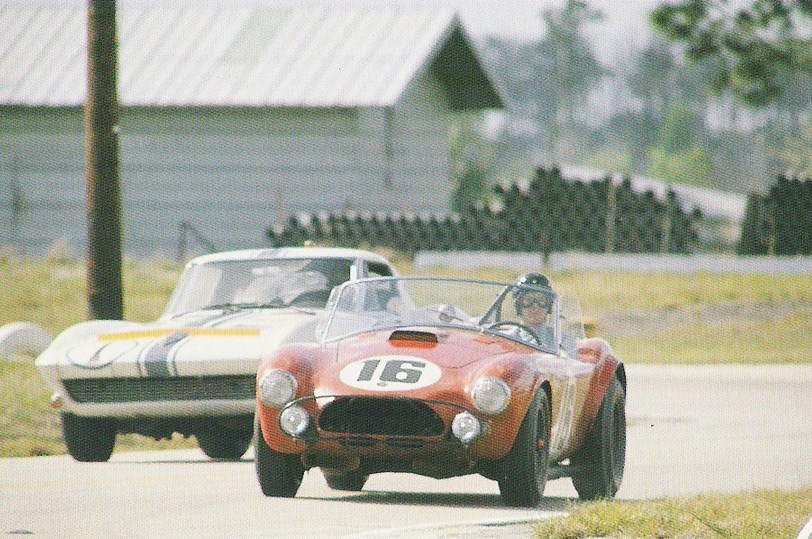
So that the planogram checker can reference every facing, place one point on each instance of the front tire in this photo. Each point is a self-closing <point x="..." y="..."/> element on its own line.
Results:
<point x="345" y="480"/>
<point x="222" y="443"/>
<point x="279" y="474"/>
<point x="88" y="439"/>
<point x="600" y="461"/>
<point x="523" y="471"/>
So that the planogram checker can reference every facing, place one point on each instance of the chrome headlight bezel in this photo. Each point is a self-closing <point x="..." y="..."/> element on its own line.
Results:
<point x="491" y="395"/>
<point x="466" y="427"/>
<point x="276" y="388"/>
<point x="294" y="421"/>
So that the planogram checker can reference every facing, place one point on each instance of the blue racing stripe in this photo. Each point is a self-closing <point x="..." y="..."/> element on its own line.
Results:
<point x="156" y="356"/>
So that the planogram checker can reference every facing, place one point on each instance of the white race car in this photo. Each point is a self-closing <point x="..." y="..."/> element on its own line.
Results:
<point x="193" y="371"/>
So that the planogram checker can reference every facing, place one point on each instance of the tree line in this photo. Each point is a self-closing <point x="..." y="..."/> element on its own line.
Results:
<point x="709" y="101"/>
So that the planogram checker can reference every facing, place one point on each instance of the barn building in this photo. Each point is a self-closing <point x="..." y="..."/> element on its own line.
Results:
<point x="232" y="119"/>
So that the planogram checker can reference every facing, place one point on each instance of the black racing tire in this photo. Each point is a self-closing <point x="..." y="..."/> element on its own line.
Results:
<point x="222" y="443"/>
<point x="279" y="474"/>
<point x="88" y="439"/>
<point x="600" y="461"/>
<point x="523" y="471"/>
<point x="352" y="480"/>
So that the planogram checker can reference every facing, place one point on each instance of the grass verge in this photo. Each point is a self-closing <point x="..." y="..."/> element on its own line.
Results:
<point x="754" y="515"/>
<point x="781" y="341"/>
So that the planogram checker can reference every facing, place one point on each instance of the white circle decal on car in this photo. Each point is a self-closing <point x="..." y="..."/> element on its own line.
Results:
<point x="390" y="373"/>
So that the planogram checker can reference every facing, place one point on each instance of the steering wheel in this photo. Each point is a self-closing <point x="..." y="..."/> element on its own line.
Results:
<point x="496" y="326"/>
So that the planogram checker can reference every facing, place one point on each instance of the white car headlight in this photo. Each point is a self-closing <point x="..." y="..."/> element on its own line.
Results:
<point x="294" y="420"/>
<point x="466" y="427"/>
<point x="490" y="395"/>
<point x="277" y="388"/>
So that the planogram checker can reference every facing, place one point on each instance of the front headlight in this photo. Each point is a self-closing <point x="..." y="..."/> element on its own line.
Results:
<point x="294" y="421"/>
<point x="490" y="395"/>
<point x="277" y="388"/>
<point x="466" y="427"/>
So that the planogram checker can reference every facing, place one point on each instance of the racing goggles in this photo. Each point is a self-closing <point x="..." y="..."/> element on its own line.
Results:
<point x="541" y="303"/>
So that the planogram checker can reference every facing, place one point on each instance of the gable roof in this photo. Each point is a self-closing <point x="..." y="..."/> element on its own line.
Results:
<point x="253" y="56"/>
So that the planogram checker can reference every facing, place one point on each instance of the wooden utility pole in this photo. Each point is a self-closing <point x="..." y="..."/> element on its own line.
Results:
<point x="104" y="289"/>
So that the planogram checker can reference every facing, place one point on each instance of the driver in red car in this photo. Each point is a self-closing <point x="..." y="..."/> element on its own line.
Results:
<point x="534" y="307"/>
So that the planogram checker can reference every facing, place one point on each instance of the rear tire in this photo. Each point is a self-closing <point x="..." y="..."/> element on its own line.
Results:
<point x="222" y="443"/>
<point x="602" y="457"/>
<point x="88" y="439"/>
<point x="279" y="474"/>
<point x="345" y="480"/>
<point x="523" y="471"/>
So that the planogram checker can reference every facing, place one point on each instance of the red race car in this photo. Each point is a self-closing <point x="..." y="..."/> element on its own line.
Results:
<point x="444" y="377"/>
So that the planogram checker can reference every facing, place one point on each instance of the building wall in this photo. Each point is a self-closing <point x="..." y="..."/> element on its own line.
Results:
<point x="231" y="173"/>
<point x="42" y="188"/>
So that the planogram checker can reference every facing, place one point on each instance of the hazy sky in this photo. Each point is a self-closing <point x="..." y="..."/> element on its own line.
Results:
<point x="623" y="29"/>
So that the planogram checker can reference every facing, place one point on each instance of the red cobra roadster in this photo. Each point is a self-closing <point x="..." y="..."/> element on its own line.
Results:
<point x="444" y="377"/>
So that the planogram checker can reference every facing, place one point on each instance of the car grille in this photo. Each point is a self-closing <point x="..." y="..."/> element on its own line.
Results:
<point x="388" y="417"/>
<point x="186" y="388"/>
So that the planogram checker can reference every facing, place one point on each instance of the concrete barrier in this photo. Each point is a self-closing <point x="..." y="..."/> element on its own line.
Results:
<point x="643" y="263"/>
<point x="23" y="338"/>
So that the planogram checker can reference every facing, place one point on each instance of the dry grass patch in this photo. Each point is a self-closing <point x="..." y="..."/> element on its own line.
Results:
<point x="785" y="340"/>
<point x="756" y="515"/>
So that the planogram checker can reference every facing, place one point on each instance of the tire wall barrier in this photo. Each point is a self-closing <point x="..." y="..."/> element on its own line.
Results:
<point x="551" y="214"/>
<point x="779" y="223"/>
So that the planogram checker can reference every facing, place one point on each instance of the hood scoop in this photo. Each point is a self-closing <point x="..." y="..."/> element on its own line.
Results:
<point x="421" y="339"/>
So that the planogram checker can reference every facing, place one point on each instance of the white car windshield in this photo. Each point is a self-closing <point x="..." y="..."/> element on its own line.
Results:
<point x="261" y="283"/>
<point x="524" y="313"/>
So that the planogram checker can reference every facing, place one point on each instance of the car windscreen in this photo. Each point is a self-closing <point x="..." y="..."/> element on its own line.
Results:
<point x="272" y="283"/>
<point x="523" y="313"/>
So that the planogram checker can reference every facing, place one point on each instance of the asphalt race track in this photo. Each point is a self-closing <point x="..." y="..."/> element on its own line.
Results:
<point x="691" y="430"/>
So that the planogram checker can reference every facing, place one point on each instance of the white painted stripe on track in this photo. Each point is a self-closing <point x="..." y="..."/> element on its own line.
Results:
<point x="472" y="529"/>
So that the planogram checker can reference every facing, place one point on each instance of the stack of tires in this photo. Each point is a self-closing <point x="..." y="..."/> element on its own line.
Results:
<point x="778" y="223"/>
<point x="551" y="214"/>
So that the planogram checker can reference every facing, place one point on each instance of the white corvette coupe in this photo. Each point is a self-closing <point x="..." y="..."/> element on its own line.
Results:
<point x="193" y="371"/>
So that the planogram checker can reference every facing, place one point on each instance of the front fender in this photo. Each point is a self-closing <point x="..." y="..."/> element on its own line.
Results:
<point x="524" y="379"/>
<point x="299" y="360"/>
<point x="80" y="332"/>
<point x="606" y="368"/>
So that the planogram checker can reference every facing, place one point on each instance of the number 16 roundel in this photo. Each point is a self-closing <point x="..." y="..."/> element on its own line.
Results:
<point x="390" y="373"/>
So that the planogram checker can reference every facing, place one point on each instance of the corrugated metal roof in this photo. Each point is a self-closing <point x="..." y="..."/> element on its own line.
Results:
<point x="230" y="56"/>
